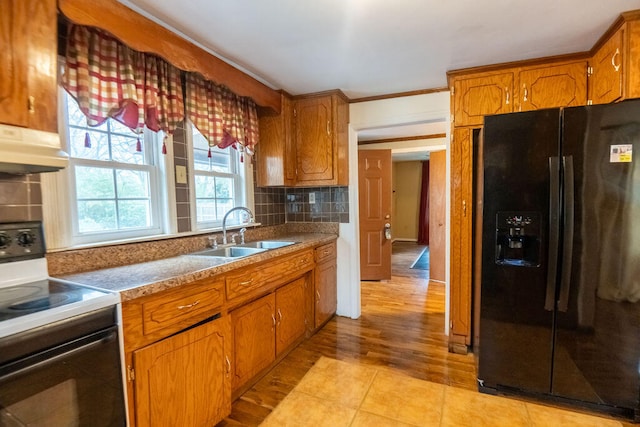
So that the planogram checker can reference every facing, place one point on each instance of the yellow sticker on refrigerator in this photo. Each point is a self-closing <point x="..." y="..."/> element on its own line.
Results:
<point x="621" y="153"/>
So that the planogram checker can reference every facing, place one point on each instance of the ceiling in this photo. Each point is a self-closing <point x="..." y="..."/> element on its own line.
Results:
<point x="379" y="47"/>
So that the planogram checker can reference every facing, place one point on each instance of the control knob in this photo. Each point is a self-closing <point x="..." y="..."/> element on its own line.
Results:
<point x="4" y="240"/>
<point x="26" y="238"/>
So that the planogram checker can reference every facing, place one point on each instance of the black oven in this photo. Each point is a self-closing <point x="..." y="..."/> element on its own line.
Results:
<point x="66" y="373"/>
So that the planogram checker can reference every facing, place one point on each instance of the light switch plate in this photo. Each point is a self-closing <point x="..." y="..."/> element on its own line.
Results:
<point x="181" y="174"/>
<point x="312" y="198"/>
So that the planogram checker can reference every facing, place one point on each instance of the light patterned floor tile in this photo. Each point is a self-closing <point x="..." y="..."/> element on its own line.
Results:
<point x="365" y="419"/>
<point x="543" y="416"/>
<point x="337" y="381"/>
<point x="405" y="399"/>
<point x="301" y="409"/>
<point x="468" y="408"/>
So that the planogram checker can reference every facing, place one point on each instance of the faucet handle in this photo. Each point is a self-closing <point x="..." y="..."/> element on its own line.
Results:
<point x="233" y="238"/>
<point x="213" y="242"/>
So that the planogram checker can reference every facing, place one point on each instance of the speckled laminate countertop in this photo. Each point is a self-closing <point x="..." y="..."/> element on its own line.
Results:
<point x="146" y="278"/>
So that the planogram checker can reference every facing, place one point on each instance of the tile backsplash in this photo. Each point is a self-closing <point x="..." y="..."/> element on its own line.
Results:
<point x="20" y="198"/>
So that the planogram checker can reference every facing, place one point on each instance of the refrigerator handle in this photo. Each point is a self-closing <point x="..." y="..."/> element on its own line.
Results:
<point x="567" y="239"/>
<point x="554" y="231"/>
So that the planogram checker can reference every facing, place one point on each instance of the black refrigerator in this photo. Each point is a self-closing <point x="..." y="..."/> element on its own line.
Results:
<point x="560" y="280"/>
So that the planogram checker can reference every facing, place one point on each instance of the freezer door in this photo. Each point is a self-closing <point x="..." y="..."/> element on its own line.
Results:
<point x="597" y="351"/>
<point x="520" y="154"/>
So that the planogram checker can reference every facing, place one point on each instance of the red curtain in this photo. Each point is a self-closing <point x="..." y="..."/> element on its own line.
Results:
<point x="423" y="219"/>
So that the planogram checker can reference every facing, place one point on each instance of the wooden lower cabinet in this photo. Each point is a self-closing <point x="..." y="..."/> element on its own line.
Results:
<point x="254" y="346"/>
<point x="184" y="379"/>
<point x="325" y="283"/>
<point x="265" y="328"/>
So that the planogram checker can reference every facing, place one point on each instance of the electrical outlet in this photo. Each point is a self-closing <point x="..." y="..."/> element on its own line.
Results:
<point x="312" y="198"/>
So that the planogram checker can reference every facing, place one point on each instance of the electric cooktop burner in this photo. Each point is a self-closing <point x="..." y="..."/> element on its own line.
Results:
<point x="28" y="297"/>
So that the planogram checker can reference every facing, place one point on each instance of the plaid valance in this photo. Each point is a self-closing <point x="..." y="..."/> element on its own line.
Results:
<point x="110" y="80"/>
<point x="221" y="116"/>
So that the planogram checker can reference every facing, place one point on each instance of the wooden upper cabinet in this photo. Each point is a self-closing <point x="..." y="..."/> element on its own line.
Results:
<point x="478" y="95"/>
<point x="321" y="140"/>
<point x="306" y="144"/>
<point x="550" y="86"/>
<point x="28" y="60"/>
<point x="276" y="153"/>
<point x="606" y="69"/>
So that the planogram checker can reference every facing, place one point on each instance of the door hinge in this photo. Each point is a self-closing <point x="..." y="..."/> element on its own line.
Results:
<point x="589" y="71"/>
<point x="131" y="374"/>
<point x="589" y="101"/>
<point x="453" y="90"/>
<point x="295" y="113"/>
<point x="450" y="324"/>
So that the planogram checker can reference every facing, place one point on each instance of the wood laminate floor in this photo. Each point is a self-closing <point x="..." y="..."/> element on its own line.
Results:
<point x="400" y="332"/>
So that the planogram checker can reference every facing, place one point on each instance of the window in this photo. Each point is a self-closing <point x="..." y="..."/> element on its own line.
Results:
<point x="218" y="182"/>
<point x="113" y="180"/>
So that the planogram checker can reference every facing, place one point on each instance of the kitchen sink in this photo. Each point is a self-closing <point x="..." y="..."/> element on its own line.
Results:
<point x="230" y="252"/>
<point x="267" y="244"/>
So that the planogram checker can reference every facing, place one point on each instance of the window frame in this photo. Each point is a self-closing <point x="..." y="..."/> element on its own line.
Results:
<point x="243" y="184"/>
<point x="155" y="181"/>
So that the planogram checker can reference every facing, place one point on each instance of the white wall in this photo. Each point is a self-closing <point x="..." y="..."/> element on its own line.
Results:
<point x="426" y="108"/>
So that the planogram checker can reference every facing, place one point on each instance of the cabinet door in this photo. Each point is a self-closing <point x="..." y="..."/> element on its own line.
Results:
<point x="184" y="379"/>
<point x="290" y="314"/>
<point x="28" y="58"/>
<point x="253" y="339"/>
<point x="562" y="85"/>
<point x="314" y="140"/>
<point x="605" y="83"/>
<point x="461" y="238"/>
<point x="479" y="95"/>
<point x="276" y="154"/>
<point x="326" y="291"/>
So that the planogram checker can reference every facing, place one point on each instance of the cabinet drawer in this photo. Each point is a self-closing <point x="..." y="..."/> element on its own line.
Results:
<point x="325" y="252"/>
<point x="277" y="271"/>
<point x="176" y="310"/>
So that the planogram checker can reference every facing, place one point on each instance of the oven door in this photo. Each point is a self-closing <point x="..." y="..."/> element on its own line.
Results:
<point x="78" y="383"/>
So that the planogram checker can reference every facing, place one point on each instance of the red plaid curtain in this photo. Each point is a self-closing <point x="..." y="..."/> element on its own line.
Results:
<point x="221" y="116"/>
<point x="110" y="80"/>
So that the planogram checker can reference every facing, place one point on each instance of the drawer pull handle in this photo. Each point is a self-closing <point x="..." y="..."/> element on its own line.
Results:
<point x="226" y="358"/>
<point x="246" y="282"/>
<point x="182" y="307"/>
<point x="303" y="261"/>
<point x="326" y="252"/>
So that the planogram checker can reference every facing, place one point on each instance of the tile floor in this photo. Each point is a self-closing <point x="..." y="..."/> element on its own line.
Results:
<point x="337" y="393"/>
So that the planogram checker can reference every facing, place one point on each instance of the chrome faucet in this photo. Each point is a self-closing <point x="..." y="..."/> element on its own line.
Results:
<point x="224" y="221"/>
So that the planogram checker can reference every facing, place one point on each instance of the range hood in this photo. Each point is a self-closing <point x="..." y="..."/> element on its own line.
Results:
<point x="24" y="151"/>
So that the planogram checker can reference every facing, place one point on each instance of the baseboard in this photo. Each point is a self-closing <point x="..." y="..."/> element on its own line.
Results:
<point x="403" y="239"/>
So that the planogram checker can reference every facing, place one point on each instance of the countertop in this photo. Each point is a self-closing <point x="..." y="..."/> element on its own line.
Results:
<point x="146" y="278"/>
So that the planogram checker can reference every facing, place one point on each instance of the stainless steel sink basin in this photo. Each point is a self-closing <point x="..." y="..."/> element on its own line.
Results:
<point x="230" y="252"/>
<point x="267" y="244"/>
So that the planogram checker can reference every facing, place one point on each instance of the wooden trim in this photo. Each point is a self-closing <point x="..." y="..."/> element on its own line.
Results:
<point x="548" y="60"/>
<point x="633" y="15"/>
<point x="337" y="92"/>
<point x="399" y="94"/>
<point x="401" y="139"/>
<point x="144" y="35"/>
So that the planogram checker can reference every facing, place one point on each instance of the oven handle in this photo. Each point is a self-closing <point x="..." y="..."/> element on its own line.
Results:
<point x="54" y="354"/>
